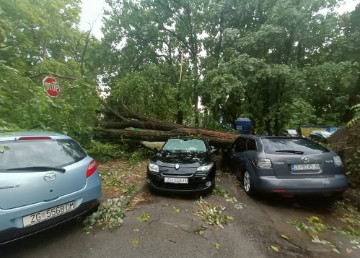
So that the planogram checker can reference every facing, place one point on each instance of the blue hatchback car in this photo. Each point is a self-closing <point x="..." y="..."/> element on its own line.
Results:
<point x="45" y="179"/>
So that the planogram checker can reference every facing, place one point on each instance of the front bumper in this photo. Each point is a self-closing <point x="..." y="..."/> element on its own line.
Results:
<point x="336" y="184"/>
<point x="195" y="185"/>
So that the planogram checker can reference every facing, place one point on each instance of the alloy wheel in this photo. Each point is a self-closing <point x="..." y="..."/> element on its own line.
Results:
<point x="247" y="182"/>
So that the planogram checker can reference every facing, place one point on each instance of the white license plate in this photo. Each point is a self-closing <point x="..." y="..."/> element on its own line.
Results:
<point x="176" y="180"/>
<point x="300" y="167"/>
<point x="53" y="212"/>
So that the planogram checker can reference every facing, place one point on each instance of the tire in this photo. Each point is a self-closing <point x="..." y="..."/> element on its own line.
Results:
<point x="248" y="184"/>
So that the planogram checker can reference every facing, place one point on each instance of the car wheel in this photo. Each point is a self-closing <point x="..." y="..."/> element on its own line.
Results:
<point x="248" y="184"/>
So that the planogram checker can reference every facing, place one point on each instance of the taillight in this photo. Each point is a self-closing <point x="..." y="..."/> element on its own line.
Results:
<point x="91" y="168"/>
<point x="262" y="163"/>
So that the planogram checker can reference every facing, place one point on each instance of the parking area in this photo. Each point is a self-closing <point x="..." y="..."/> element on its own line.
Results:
<point x="226" y="223"/>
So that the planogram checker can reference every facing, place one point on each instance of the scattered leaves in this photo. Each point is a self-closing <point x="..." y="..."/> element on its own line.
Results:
<point x="212" y="215"/>
<point x="109" y="214"/>
<point x="275" y="248"/>
<point x="219" y="191"/>
<point x="284" y="237"/>
<point x="176" y="210"/>
<point x="135" y="241"/>
<point x="144" y="217"/>
<point x="217" y="245"/>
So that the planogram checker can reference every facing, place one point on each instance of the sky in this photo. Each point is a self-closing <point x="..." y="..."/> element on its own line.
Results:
<point x="92" y="12"/>
<point x="91" y="16"/>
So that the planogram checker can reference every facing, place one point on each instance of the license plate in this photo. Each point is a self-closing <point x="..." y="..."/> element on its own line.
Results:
<point x="176" y="180"/>
<point x="50" y="213"/>
<point x="300" y="167"/>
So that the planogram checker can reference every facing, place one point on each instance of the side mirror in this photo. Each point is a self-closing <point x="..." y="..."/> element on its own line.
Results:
<point x="157" y="149"/>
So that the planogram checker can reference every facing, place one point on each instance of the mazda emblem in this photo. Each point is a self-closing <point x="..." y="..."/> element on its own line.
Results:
<point x="305" y="159"/>
<point x="177" y="166"/>
<point x="50" y="176"/>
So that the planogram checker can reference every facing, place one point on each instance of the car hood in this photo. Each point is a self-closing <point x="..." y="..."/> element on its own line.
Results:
<point x="188" y="158"/>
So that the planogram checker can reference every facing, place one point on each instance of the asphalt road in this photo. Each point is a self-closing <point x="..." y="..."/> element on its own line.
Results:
<point x="260" y="228"/>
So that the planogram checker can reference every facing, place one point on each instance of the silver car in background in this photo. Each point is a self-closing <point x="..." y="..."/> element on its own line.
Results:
<point x="45" y="179"/>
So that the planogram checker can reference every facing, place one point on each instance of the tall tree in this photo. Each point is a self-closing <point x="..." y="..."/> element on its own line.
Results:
<point x="38" y="39"/>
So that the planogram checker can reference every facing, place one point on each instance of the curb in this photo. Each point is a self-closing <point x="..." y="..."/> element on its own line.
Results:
<point x="129" y="198"/>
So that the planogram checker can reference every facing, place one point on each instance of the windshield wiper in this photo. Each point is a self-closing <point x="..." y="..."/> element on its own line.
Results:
<point x="291" y="151"/>
<point x="62" y="170"/>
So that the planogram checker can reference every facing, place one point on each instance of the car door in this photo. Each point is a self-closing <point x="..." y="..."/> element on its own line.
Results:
<point x="236" y="157"/>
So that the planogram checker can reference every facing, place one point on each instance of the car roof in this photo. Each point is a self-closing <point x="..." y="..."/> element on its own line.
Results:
<point x="8" y="136"/>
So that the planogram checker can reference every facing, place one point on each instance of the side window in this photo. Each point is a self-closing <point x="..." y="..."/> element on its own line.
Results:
<point x="240" y="145"/>
<point x="251" y="145"/>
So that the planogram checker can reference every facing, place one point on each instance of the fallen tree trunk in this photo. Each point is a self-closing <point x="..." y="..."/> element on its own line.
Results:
<point x="215" y="138"/>
<point x="133" y="126"/>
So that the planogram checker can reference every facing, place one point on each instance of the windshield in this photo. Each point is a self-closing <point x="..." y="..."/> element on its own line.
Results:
<point x="39" y="153"/>
<point x="292" y="145"/>
<point x="185" y="145"/>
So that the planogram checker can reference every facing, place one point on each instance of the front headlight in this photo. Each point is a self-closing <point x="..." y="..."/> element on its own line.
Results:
<point x="153" y="168"/>
<point x="205" y="168"/>
<point x="337" y="161"/>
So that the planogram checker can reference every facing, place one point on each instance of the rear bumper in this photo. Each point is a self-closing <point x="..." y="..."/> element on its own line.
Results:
<point x="85" y="200"/>
<point x="12" y="234"/>
<point x="336" y="184"/>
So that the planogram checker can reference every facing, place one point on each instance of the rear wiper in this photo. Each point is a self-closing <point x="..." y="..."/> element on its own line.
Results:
<point x="62" y="170"/>
<point x="291" y="151"/>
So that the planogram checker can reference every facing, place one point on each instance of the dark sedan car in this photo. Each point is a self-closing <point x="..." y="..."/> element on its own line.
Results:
<point x="182" y="165"/>
<point x="286" y="165"/>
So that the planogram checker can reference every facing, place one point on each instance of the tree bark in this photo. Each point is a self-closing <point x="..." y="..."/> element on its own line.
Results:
<point x="217" y="139"/>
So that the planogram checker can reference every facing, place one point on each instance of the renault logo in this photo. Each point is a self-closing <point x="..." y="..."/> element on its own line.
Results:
<point x="305" y="159"/>
<point x="177" y="166"/>
<point x="50" y="176"/>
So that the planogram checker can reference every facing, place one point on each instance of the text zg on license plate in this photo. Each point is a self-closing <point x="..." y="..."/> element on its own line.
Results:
<point x="176" y="180"/>
<point x="43" y="215"/>
<point x="301" y="167"/>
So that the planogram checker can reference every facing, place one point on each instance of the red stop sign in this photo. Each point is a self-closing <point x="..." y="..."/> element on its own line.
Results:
<point x="51" y="86"/>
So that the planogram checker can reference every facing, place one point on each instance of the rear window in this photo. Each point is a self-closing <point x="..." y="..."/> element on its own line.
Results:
<point x="30" y="153"/>
<point x="292" y="145"/>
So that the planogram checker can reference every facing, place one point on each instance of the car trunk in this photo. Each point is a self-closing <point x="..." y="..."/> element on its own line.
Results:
<point x="293" y="165"/>
<point x="20" y="188"/>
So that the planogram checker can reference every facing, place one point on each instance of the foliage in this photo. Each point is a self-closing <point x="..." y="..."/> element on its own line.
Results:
<point x="144" y="217"/>
<point x="352" y="164"/>
<point x="219" y="191"/>
<point x="314" y="226"/>
<point x="38" y="39"/>
<point x="212" y="215"/>
<point x="110" y="215"/>
<point x="351" y="219"/>
<point x="280" y="63"/>
<point x="356" y="116"/>
<point x="103" y="152"/>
